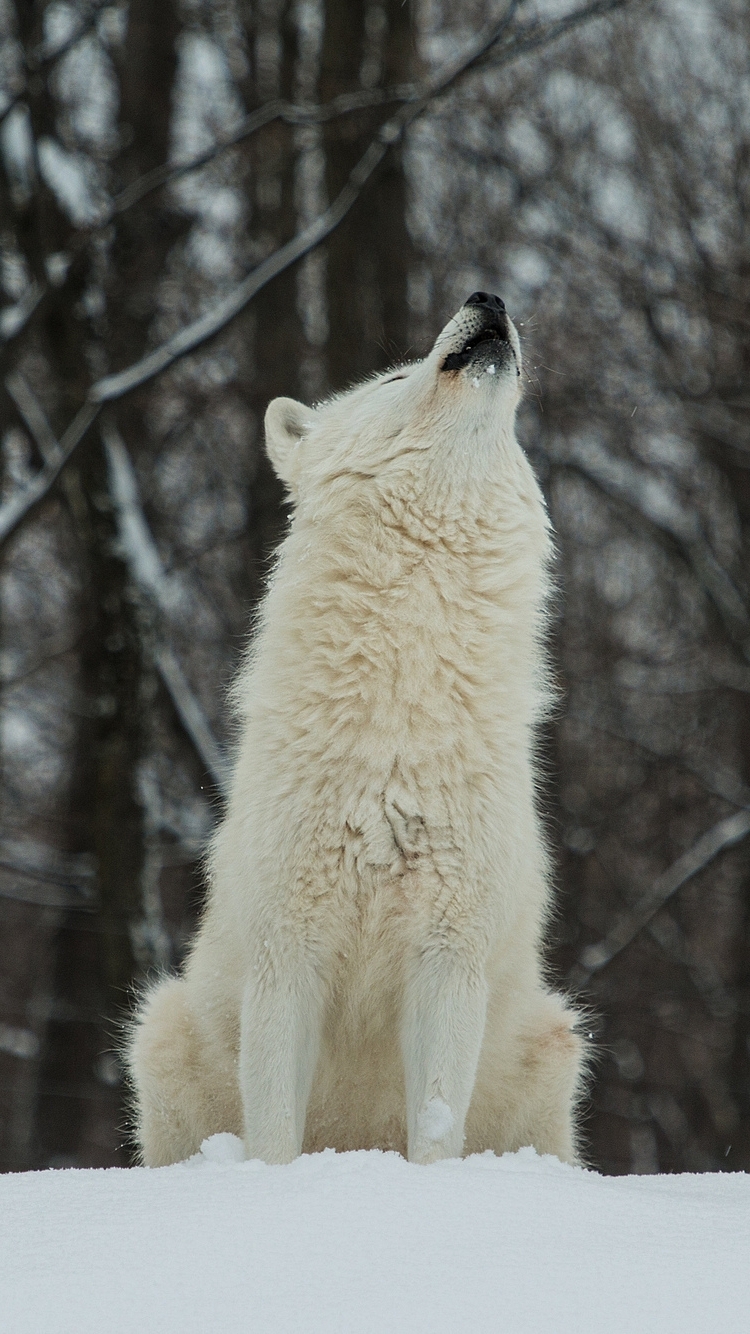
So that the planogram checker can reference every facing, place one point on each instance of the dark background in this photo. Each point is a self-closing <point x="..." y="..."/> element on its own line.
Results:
<point x="592" y="165"/>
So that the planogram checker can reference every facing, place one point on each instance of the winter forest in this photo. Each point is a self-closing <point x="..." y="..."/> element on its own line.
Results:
<point x="207" y="203"/>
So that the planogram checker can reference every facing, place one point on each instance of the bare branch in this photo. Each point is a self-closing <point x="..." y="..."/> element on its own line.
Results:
<point x="722" y="835"/>
<point x="147" y="572"/>
<point x="289" y="112"/>
<point x="390" y="133"/>
<point x="137" y="542"/>
<point x="33" y="415"/>
<point x="703" y="974"/>
<point x="40" y="890"/>
<point x="142" y="557"/>
<point x="150" y="936"/>
<point x="658" y="502"/>
<point x="192" y="716"/>
<point x="14" y="318"/>
<point x="47" y="52"/>
<point x="8" y="106"/>
<point x="51" y="878"/>
<point x="530" y="36"/>
<point x="721" y="781"/>
<point x="292" y="114"/>
<point x="114" y="386"/>
<point x="23" y="502"/>
<point x="111" y="387"/>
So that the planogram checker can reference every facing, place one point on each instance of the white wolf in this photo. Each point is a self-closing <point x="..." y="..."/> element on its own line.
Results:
<point x="368" y="969"/>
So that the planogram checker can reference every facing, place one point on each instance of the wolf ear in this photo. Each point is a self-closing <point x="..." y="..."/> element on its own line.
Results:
<point x="287" y="421"/>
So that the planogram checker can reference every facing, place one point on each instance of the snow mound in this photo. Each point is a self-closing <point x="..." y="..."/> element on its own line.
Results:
<point x="367" y="1242"/>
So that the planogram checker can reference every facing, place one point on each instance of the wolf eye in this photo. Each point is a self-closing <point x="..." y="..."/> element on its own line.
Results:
<point x="391" y="378"/>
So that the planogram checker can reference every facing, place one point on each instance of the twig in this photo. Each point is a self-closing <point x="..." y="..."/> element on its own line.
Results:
<point x="146" y="570"/>
<point x="722" y="835"/>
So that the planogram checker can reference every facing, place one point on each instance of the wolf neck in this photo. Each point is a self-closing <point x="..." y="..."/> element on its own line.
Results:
<point x="404" y="555"/>
<point x="392" y="636"/>
<point x="376" y="621"/>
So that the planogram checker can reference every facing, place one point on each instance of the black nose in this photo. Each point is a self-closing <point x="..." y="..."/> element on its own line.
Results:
<point x="488" y="300"/>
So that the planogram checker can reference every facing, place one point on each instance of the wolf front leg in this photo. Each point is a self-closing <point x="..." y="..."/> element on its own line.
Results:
<point x="282" y="1017"/>
<point x="445" y="1007"/>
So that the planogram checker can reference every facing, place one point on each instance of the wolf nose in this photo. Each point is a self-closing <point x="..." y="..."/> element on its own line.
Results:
<point x="487" y="299"/>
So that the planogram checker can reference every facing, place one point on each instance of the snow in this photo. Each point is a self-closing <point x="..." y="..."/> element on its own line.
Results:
<point x="368" y="1242"/>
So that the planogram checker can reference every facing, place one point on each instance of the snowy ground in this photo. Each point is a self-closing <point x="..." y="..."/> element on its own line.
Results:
<point x="365" y="1242"/>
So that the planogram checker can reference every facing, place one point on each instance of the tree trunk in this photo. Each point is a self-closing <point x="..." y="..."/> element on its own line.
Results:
<point x="369" y="256"/>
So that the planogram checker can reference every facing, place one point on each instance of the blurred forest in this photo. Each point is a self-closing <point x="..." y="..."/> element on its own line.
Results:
<point x="206" y="203"/>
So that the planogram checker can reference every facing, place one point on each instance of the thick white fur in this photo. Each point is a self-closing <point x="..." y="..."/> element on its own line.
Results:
<point x="368" y="969"/>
